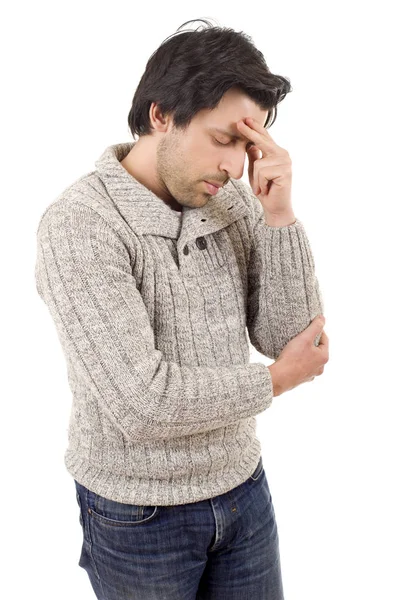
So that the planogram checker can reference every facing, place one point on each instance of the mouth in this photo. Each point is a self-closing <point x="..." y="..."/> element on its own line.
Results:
<point x="212" y="188"/>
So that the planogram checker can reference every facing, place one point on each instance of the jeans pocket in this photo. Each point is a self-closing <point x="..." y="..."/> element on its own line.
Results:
<point x="258" y="471"/>
<point x="119" y="514"/>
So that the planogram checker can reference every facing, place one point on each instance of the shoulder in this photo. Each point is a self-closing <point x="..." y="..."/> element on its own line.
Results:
<point x="85" y="201"/>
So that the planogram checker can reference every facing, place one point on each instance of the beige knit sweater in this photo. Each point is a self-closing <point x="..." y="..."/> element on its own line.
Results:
<point x="154" y="310"/>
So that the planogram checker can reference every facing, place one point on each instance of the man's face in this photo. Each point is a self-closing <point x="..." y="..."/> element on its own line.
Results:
<point x="186" y="159"/>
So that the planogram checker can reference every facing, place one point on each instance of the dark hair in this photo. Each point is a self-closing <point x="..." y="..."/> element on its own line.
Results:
<point x="192" y="70"/>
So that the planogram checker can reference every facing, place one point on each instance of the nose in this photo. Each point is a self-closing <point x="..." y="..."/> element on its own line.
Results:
<point x="233" y="165"/>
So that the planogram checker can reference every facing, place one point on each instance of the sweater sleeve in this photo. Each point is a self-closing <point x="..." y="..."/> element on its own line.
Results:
<point x="283" y="291"/>
<point x="84" y="275"/>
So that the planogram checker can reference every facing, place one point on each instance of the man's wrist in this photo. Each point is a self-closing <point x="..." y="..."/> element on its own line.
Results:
<point x="275" y="372"/>
<point x="280" y="220"/>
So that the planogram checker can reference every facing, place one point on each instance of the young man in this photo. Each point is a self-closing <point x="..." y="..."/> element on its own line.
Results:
<point x="154" y="267"/>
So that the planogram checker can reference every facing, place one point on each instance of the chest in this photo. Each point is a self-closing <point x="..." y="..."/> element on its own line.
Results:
<point x="197" y="291"/>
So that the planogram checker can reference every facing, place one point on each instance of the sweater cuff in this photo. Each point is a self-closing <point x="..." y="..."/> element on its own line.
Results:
<point x="296" y="222"/>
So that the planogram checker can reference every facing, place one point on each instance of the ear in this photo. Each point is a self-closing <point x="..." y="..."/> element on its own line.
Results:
<point x="158" y="121"/>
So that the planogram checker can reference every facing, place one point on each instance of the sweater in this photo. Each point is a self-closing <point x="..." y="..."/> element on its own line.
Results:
<point x="155" y="310"/>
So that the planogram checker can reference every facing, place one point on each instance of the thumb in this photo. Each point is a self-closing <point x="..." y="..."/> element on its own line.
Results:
<point x="316" y="325"/>
<point x="253" y="154"/>
<point x="315" y="329"/>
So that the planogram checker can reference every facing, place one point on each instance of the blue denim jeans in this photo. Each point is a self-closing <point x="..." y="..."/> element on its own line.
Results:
<point x="223" y="548"/>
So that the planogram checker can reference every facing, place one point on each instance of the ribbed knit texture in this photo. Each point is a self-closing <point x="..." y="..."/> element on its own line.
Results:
<point x="154" y="310"/>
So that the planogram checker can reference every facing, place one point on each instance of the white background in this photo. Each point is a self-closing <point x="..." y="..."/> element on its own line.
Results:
<point x="330" y="448"/>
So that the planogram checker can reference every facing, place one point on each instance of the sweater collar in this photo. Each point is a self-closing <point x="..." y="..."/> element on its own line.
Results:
<point x="146" y="213"/>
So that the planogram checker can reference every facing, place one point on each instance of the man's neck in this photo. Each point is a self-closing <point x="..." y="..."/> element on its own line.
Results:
<point x="138" y="164"/>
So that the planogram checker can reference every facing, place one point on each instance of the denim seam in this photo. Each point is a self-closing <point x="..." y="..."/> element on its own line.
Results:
<point x="218" y="533"/>
<point x="90" y="544"/>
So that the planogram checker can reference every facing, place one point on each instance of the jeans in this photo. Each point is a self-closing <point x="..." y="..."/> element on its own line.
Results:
<point x="222" y="548"/>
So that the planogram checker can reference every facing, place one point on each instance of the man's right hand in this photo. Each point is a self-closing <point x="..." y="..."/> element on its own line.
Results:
<point x="300" y="360"/>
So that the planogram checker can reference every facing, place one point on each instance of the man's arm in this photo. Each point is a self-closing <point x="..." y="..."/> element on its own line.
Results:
<point x="283" y="291"/>
<point x="84" y="275"/>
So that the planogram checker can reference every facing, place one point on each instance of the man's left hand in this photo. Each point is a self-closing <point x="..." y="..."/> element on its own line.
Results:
<point x="270" y="174"/>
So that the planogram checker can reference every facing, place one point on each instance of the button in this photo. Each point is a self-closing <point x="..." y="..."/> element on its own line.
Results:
<point x="185" y="250"/>
<point x="201" y="243"/>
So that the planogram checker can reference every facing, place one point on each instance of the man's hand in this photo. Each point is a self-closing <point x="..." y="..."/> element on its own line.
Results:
<point x="300" y="360"/>
<point x="270" y="174"/>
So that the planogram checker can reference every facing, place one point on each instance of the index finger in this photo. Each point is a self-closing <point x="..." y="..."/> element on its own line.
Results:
<point x="253" y="130"/>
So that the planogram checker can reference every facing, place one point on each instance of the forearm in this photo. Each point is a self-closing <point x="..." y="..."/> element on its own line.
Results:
<point x="283" y="295"/>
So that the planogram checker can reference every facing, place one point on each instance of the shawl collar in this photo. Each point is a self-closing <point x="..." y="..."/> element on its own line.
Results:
<point x="146" y="213"/>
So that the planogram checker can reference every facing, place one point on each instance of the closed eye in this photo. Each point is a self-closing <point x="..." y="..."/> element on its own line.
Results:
<point x="220" y="143"/>
<point x="249" y="145"/>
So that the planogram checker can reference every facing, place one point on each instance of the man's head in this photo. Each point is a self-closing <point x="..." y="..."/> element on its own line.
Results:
<point x="195" y="89"/>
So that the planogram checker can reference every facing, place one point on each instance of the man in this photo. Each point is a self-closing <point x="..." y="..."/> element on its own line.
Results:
<point x="154" y="267"/>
